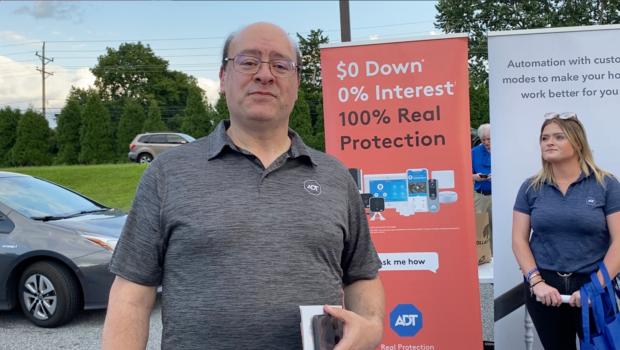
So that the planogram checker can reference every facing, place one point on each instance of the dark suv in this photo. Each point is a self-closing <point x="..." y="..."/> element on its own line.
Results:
<point x="145" y="147"/>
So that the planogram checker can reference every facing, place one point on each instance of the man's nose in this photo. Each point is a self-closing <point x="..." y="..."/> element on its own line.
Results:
<point x="264" y="74"/>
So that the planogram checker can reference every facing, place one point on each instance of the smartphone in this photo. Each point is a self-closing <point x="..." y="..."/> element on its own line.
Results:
<point x="417" y="181"/>
<point x="326" y="331"/>
<point x="483" y="176"/>
<point x="433" y="198"/>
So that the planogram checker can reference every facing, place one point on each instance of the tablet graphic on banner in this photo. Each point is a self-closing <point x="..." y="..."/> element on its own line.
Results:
<point x="396" y="113"/>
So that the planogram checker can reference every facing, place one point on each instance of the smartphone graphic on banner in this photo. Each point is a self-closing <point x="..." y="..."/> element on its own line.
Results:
<point x="417" y="182"/>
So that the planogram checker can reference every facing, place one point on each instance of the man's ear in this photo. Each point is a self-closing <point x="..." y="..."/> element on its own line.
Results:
<point x="222" y="75"/>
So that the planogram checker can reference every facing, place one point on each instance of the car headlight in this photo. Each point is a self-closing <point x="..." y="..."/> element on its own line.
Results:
<point x="106" y="243"/>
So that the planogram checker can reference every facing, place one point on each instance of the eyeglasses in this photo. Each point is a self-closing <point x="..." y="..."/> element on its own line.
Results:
<point x="250" y="65"/>
<point x="564" y="116"/>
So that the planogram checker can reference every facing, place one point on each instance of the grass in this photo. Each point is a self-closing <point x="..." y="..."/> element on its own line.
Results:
<point x="113" y="185"/>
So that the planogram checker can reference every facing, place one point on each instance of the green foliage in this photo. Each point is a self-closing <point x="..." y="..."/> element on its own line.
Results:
<point x="300" y="119"/>
<point x="134" y="71"/>
<point x="319" y="130"/>
<point x="113" y="185"/>
<point x="97" y="143"/>
<point x="311" y="82"/>
<point x="153" y="120"/>
<point x="32" y="145"/>
<point x="311" y="58"/>
<point x="197" y="116"/>
<point x="476" y="17"/>
<point x="131" y="123"/>
<point x="68" y="131"/>
<point x="221" y="110"/>
<point x="9" y="118"/>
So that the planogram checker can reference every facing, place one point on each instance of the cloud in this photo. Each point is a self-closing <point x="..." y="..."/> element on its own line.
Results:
<point x="12" y="36"/>
<point x="211" y="88"/>
<point x="52" y="9"/>
<point x="373" y="37"/>
<point x="20" y="85"/>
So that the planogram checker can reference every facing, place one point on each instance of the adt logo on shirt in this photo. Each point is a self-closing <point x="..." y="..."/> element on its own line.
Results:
<point x="591" y="201"/>
<point x="313" y="187"/>
<point x="406" y="320"/>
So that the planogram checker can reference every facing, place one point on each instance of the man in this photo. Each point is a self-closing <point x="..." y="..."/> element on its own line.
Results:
<point x="243" y="226"/>
<point x="481" y="168"/>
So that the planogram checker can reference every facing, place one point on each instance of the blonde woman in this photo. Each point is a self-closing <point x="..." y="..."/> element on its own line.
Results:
<point x="572" y="210"/>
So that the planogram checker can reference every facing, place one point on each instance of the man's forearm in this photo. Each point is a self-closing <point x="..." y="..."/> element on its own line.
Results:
<point x="366" y="298"/>
<point x="127" y="319"/>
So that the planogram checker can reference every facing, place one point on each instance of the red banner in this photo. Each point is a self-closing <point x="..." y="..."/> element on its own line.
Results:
<point x="397" y="114"/>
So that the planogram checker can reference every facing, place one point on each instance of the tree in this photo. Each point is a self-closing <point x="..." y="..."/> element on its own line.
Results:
<point x="68" y="131"/>
<point x="9" y="118"/>
<point x="221" y="110"/>
<point x="134" y="71"/>
<point x="196" y="119"/>
<point x="32" y="145"/>
<point x="153" y="120"/>
<point x="131" y="123"/>
<point x="300" y="119"/>
<point x="97" y="143"/>
<point x="476" y="17"/>
<point x="311" y="83"/>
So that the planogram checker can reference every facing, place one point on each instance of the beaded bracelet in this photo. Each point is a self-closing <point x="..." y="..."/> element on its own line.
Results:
<point x="532" y="286"/>
<point x="531" y="277"/>
<point x="531" y="272"/>
<point x="537" y="282"/>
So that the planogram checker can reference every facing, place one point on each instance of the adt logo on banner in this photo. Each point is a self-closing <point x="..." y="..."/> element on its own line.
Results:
<point x="406" y="320"/>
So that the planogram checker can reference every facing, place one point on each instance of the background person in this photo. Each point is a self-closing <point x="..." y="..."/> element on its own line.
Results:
<point x="231" y="230"/>
<point x="481" y="168"/>
<point x="572" y="209"/>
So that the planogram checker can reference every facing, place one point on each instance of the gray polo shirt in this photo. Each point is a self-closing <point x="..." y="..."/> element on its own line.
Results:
<point x="237" y="248"/>
<point x="569" y="232"/>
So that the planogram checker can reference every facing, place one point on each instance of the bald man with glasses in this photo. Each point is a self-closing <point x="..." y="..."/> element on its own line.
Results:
<point x="243" y="226"/>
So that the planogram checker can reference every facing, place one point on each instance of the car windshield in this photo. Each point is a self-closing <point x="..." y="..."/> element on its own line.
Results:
<point x="188" y="138"/>
<point x="43" y="200"/>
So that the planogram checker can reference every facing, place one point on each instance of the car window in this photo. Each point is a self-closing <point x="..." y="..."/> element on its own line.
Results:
<point x="172" y="138"/>
<point x="6" y="225"/>
<point x="158" y="139"/>
<point x="188" y="138"/>
<point x="144" y="139"/>
<point x="33" y="197"/>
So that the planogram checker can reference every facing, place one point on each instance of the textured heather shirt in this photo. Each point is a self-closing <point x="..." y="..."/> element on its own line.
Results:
<point x="237" y="248"/>
<point x="569" y="232"/>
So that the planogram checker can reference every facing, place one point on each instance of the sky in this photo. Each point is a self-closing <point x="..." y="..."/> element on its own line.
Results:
<point x="189" y="35"/>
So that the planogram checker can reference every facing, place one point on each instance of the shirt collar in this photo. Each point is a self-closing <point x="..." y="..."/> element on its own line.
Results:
<point x="219" y="142"/>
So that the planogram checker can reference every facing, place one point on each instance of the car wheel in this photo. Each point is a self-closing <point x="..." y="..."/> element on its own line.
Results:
<point x="145" y="158"/>
<point x="49" y="294"/>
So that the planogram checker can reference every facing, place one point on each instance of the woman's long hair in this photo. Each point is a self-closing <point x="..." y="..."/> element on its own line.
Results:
<point x="576" y="135"/>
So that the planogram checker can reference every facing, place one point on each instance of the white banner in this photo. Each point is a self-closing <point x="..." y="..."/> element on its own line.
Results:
<point x="531" y="73"/>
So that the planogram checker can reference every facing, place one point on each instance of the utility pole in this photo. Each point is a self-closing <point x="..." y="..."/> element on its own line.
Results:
<point x="345" y="22"/>
<point x="44" y="74"/>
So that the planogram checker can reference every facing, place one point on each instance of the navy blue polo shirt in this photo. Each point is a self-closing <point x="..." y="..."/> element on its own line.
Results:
<point x="481" y="164"/>
<point x="569" y="232"/>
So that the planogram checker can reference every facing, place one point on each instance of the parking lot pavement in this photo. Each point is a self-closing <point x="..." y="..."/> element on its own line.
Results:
<point x="84" y="332"/>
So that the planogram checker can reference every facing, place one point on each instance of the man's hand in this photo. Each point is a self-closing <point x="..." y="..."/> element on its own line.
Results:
<point x="359" y="333"/>
<point x="481" y="177"/>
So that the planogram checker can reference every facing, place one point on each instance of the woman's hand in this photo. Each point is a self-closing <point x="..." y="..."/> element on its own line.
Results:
<point x="547" y="295"/>
<point x="575" y="299"/>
